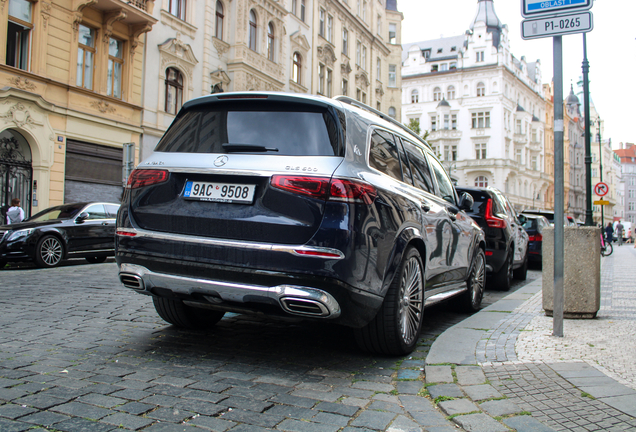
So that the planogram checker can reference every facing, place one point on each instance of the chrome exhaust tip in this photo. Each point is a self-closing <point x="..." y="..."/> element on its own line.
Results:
<point x="305" y="307"/>
<point x="132" y="281"/>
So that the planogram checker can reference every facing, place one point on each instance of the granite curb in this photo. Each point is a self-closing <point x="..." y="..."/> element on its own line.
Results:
<point x="473" y="375"/>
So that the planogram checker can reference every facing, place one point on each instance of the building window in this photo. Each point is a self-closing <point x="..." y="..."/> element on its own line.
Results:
<point x="345" y="87"/>
<point x="535" y="166"/>
<point x="219" y="20"/>
<point x="433" y="122"/>
<point x="518" y="156"/>
<point x="453" y="66"/>
<point x="378" y="106"/>
<point x="379" y="30"/>
<point x="415" y="96"/>
<point x="481" y="89"/>
<point x="364" y="97"/>
<point x="392" y="34"/>
<point x="321" y="25"/>
<point x="358" y="94"/>
<point x="85" y="57"/>
<point x="302" y="10"/>
<point x="345" y="42"/>
<point x="359" y="7"/>
<point x="378" y="69"/>
<point x="518" y="127"/>
<point x="454" y="121"/>
<point x="296" y="68"/>
<point x="329" y="82"/>
<point x="392" y="76"/>
<point x="270" y="42"/>
<point x="434" y="68"/>
<point x="295" y="7"/>
<point x="446" y="121"/>
<point x="178" y="8"/>
<point x="443" y="67"/>
<point x="329" y="28"/>
<point x="480" y="151"/>
<point x="174" y="90"/>
<point x="321" y="79"/>
<point x="364" y="57"/>
<point x="253" y="33"/>
<point x="19" y="34"/>
<point x="392" y="112"/>
<point x="479" y="56"/>
<point x="450" y="93"/>
<point x="454" y="153"/>
<point x="364" y="11"/>
<point x="115" y="67"/>
<point x="481" y="120"/>
<point x="437" y="94"/>
<point x="481" y="181"/>
<point x="631" y="206"/>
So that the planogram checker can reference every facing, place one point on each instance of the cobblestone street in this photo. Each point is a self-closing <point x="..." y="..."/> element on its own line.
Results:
<point x="79" y="352"/>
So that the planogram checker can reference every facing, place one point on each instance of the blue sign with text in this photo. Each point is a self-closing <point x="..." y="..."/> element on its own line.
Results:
<point x="530" y="8"/>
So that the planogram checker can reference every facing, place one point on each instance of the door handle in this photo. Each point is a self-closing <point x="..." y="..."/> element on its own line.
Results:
<point x="426" y="208"/>
<point x="104" y="223"/>
<point x="452" y="217"/>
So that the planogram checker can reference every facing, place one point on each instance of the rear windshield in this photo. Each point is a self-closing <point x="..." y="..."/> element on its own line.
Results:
<point x="255" y="127"/>
<point x="481" y="199"/>
<point x="530" y="224"/>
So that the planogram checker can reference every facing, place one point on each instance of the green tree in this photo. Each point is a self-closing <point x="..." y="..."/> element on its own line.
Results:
<point x="414" y="125"/>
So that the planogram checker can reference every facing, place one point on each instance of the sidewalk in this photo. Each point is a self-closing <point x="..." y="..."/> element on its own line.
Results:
<point x="501" y="369"/>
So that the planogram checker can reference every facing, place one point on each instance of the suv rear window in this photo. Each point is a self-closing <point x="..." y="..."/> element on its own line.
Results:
<point x="255" y="127"/>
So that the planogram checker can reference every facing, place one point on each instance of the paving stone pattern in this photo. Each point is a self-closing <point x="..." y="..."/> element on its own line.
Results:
<point x="78" y="352"/>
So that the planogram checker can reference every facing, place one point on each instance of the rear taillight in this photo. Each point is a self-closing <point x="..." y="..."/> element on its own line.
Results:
<point x="492" y="221"/>
<point x="146" y="177"/>
<point x="326" y="188"/>
<point x="536" y="237"/>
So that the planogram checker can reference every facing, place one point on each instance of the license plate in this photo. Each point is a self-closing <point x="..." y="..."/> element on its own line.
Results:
<point x="219" y="192"/>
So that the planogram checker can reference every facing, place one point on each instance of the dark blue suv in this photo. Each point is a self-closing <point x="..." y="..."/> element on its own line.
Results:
<point x="298" y="206"/>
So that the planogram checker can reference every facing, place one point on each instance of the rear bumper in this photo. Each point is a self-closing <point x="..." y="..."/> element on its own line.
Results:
<point x="248" y="290"/>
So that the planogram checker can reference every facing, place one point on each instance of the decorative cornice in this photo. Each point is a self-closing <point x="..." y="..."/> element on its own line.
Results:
<point x="20" y="116"/>
<point x="46" y="12"/>
<point x="109" y="20"/>
<point x="137" y="32"/>
<point x="345" y="68"/>
<point x="221" y="46"/>
<point x="362" y="79"/>
<point x="326" y="54"/>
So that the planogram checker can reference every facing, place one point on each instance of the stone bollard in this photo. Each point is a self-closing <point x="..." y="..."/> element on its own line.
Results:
<point x="581" y="271"/>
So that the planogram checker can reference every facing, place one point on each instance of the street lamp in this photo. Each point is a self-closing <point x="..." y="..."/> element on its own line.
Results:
<point x="600" y="164"/>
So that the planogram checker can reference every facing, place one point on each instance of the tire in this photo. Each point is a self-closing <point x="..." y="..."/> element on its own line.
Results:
<point x="608" y="249"/>
<point x="522" y="272"/>
<point x="396" y="328"/>
<point x="49" y="252"/>
<point x="176" y="313"/>
<point x="96" y="260"/>
<point x="502" y="280"/>
<point x="470" y="301"/>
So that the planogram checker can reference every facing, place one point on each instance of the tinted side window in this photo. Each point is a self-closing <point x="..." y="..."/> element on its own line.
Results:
<point x="96" y="211"/>
<point x="384" y="155"/>
<point x="111" y="209"/>
<point x="446" y="189"/>
<point x="419" y="167"/>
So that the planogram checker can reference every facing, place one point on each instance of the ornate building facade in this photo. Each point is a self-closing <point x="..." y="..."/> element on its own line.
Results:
<point x="325" y="47"/>
<point x="70" y="97"/>
<point x="484" y="109"/>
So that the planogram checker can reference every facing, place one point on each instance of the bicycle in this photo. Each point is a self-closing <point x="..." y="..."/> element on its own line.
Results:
<point x="606" y="247"/>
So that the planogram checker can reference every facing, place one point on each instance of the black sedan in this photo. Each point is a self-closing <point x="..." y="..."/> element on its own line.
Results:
<point x="78" y="230"/>
<point x="534" y="225"/>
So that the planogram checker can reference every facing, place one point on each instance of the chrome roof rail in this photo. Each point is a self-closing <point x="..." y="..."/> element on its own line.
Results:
<point x="365" y="107"/>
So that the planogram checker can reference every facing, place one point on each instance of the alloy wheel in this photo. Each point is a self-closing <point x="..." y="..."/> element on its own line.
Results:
<point x="51" y="251"/>
<point x="411" y="300"/>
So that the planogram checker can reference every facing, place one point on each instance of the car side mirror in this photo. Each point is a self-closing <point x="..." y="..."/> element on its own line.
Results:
<point x="82" y="217"/>
<point x="466" y="201"/>
<point x="522" y="219"/>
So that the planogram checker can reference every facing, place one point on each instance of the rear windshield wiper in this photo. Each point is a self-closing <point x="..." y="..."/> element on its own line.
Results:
<point x="231" y="147"/>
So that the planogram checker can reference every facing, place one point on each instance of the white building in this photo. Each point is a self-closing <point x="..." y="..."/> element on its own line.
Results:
<point x="482" y="108"/>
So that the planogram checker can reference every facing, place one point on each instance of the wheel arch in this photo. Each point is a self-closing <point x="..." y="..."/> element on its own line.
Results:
<point x="410" y="236"/>
<point x="54" y="233"/>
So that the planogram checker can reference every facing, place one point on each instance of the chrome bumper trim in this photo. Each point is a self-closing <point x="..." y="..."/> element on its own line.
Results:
<point x="284" y="295"/>
<point x="236" y="244"/>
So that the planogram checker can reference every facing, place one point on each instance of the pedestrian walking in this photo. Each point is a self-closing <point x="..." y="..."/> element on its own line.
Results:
<point x="15" y="214"/>
<point x="609" y="233"/>
<point x="619" y="233"/>
<point x="628" y="238"/>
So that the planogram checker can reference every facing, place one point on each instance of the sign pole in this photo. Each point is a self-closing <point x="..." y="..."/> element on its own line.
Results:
<point x="589" y="221"/>
<point x="557" y="313"/>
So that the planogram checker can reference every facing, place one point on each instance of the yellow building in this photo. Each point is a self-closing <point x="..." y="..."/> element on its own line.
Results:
<point x="70" y="97"/>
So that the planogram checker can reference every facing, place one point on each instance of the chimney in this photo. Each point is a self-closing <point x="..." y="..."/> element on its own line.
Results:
<point x="620" y="146"/>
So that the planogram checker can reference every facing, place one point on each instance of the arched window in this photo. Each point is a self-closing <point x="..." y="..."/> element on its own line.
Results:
<point x="219" y="20"/>
<point x="450" y="93"/>
<point x="415" y="96"/>
<point x="481" y="181"/>
<point x="437" y="94"/>
<point x="252" y="40"/>
<point x="270" y="41"/>
<point x="174" y="90"/>
<point x="392" y="112"/>
<point x="481" y="89"/>
<point x="297" y="67"/>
